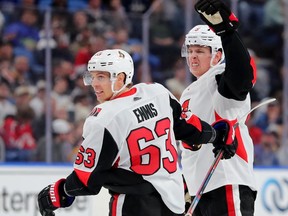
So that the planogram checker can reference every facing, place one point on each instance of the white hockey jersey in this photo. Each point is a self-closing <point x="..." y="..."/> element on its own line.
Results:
<point x="203" y="99"/>
<point x="133" y="132"/>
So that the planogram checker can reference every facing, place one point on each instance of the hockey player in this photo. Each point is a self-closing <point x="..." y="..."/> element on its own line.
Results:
<point x="221" y="90"/>
<point x="129" y="144"/>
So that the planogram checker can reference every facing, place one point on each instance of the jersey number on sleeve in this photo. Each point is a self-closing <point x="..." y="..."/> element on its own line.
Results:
<point x="153" y="152"/>
<point x="91" y="155"/>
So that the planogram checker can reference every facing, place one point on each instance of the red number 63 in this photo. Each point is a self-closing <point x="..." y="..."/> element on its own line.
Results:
<point x="162" y="128"/>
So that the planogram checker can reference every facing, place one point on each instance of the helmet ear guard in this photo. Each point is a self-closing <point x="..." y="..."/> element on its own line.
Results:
<point x="113" y="61"/>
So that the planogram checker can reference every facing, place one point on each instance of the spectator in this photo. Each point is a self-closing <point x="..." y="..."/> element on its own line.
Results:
<point x="177" y="83"/>
<point x="21" y="72"/>
<point x="6" y="105"/>
<point x="23" y="33"/>
<point x="137" y="7"/>
<point x="61" y="11"/>
<point x="271" y="34"/>
<point x="116" y="15"/>
<point x="38" y="100"/>
<point x="77" y="139"/>
<point x="80" y="23"/>
<point x="261" y="88"/>
<point x="61" y="143"/>
<point x="81" y="40"/>
<point x="23" y="95"/>
<point x="18" y="135"/>
<point x="133" y="46"/>
<point x="64" y="107"/>
<point x="271" y="116"/>
<point x="39" y="123"/>
<point x="163" y="39"/>
<point x="135" y="11"/>
<point x="266" y="153"/>
<point x="93" y="44"/>
<point x="63" y="68"/>
<point x="254" y="131"/>
<point x="123" y="41"/>
<point x="251" y="12"/>
<point x="5" y="71"/>
<point x="59" y="43"/>
<point x="6" y="61"/>
<point x="96" y="17"/>
<point x="28" y="3"/>
<point x="82" y="106"/>
<point x="6" y="51"/>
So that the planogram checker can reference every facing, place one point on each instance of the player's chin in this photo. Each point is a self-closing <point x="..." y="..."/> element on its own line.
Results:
<point x="196" y="73"/>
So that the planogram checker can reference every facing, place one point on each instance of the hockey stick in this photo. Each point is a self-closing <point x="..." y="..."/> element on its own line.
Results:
<point x="216" y="161"/>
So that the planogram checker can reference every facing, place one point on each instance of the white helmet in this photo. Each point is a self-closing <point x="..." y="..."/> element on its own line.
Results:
<point x="202" y="35"/>
<point x="114" y="61"/>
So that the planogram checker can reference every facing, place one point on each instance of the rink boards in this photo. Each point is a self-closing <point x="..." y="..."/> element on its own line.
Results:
<point x="20" y="184"/>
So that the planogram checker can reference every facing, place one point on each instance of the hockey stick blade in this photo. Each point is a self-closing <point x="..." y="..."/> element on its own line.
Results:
<point x="216" y="161"/>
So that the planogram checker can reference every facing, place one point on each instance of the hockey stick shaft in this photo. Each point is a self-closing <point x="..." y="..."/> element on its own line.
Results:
<point x="204" y="184"/>
<point x="216" y="162"/>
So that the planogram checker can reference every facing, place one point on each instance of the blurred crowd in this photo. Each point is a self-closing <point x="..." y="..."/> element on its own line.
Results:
<point x="78" y="29"/>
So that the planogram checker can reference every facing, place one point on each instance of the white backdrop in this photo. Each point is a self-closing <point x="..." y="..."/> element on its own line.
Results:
<point x="19" y="186"/>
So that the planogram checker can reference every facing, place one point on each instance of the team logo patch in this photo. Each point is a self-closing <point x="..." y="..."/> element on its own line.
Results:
<point x="185" y="110"/>
<point x="121" y="55"/>
<point x="95" y="111"/>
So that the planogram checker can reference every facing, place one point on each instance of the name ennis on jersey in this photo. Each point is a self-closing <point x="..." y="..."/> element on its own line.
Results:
<point x="145" y="112"/>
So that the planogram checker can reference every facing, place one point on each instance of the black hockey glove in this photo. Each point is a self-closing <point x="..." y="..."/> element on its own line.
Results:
<point x="52" y="197"/>
<point x="217" y="16"/>
<point x="225" y="139"/>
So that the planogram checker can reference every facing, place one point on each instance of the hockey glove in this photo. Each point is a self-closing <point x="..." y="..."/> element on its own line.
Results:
<point x="52" y="197"/>
<point x="217" y="16"/>
<point x="225" y="138"/>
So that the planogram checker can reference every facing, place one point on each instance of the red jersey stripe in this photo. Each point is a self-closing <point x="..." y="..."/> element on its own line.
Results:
<point x="230" y="200"/>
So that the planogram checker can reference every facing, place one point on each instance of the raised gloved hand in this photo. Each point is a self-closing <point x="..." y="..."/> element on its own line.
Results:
<point x="52" y="197"/>
<point x="217" y="16"/>
<point x="225" y="138"/>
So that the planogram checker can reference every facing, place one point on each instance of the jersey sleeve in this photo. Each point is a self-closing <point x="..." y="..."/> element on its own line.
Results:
<point x="240" y="72"/>
<point x="191" y="131"/>
<point x="95" y="158"/>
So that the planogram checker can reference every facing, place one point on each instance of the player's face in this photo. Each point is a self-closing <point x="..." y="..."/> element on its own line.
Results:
<point x="199" y="58"/>
<point x="101" y="84"/>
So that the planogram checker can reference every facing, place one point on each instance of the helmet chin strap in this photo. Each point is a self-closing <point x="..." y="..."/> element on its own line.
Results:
<point x="213" y="56"/>
<point x="116" y="92"/>
<point x="211" y="60"/>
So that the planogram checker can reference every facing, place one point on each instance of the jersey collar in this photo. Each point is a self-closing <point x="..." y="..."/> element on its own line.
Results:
<point x="127" y="93"/>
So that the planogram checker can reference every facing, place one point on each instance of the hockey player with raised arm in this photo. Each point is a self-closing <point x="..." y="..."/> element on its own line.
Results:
<point x="221" y="91"/>
<point x="129" y="144"/>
